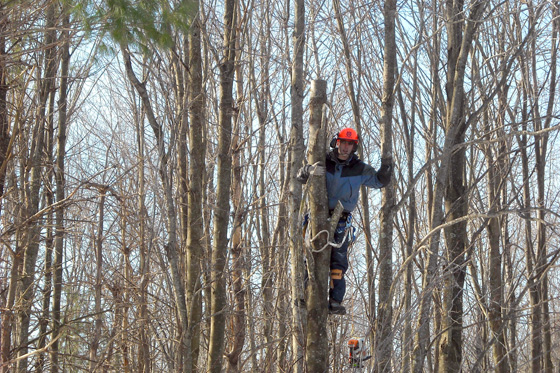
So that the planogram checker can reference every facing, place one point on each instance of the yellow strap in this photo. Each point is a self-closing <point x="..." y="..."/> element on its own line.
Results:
<point x="336" y="274"/>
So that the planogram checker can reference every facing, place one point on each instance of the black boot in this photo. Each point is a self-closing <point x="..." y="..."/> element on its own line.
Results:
<point x="336" y="308"/>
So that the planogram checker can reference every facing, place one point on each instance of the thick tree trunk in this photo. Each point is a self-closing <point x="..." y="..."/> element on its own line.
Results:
<point x="221" y="221"/>
<point x="318" y="263"/>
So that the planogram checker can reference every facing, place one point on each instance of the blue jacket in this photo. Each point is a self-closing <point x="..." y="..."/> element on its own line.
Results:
<point x="344" y="179"/>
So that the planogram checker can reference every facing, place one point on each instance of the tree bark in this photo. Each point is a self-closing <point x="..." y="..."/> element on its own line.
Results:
<point x="237" y="244"/>
<point x="456" y="204"/>
<point x="541" y="154"/>
<point x="496" y="187"/>
<point x="318" y="263"/>
<point x="296" y="161"/>
<point x="98" y="248"/>
<point x="384" y="342"/>
<point x="195" y="229"/>
<point x="60" y="172"/>
<point x="5" y="136"/>
<point x="219" y="250"/>
<point x="532" y="285"/>
<point x="495" y="270"/>
<point x="144" y="361"/>
<point x="32" y="193"/>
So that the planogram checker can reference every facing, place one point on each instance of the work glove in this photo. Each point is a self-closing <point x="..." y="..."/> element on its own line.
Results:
<point x="385" y="171"/>
<point x="316" y="169"/>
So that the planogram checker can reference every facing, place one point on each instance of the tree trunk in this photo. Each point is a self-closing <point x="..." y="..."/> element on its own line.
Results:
<point x="98" y="248"/>
<point x="495" y="270"/>
<point x="409" y="133"/>
<point x="532" y="285"/>
<point x="221" y="220"/>
<point x="32" y="189"/>
<point x="125" y="301"/>
<point x="195" y="227"/>
<point x="144" y="361"/>
<point x="48" y="197"/>
<point x="237" y="244"/>
<point x="455" y="129"/>
<point x="8" y="315"/>
<point x="261" y="94"/>
<point x="60" y="172"/>
<point x="456" y="204"/>
<point x="541" y="153"/>
<point x="296" y="160"/>
<point x="318" y="263"/>
<point x="384" y="342"/>
<point x="5" y="136"/>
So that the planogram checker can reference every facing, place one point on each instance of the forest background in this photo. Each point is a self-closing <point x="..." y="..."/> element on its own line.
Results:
<point x="150" y="219"/>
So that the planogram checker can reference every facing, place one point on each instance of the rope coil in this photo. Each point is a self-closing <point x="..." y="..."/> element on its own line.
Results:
<point x="329" y="243"/>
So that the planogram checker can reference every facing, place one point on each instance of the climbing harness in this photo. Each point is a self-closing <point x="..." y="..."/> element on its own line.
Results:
<point x="348" y="229"/>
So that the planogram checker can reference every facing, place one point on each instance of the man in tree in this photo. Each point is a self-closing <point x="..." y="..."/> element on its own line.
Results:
<point x="345" y="174"/>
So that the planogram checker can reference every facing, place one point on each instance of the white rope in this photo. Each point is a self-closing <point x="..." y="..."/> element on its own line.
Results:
<point x="333" y="244"/>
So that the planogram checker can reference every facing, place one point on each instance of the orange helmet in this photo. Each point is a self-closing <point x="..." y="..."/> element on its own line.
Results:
<point x="348" y="134"/>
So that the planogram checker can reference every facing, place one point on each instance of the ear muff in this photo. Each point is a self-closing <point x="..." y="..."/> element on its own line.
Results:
<point x="356" y="144"/>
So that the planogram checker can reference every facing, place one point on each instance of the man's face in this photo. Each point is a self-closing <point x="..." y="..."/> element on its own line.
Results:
<point x="345" y="148"/>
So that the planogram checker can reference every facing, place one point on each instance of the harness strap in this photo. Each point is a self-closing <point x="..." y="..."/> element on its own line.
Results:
<point x="336" y="274"/>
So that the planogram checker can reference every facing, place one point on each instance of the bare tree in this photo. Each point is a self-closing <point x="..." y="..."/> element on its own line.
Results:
<point x="32" y="185"/>
<point x="296" y="160"/>
<point x="385" y="308"/>
<point x="541" y="152"/>
<point x="237" y="242"/>
<point x="144" y="358"/>
<point x="316" y="354"/>
<point x="455" y="128"/>
<point x="197" y="143"/>
<point x="60" y="178"/>
<point x="98" y="248"/>
<point x="171" y="246"/>
<point x="221" y="221"/>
